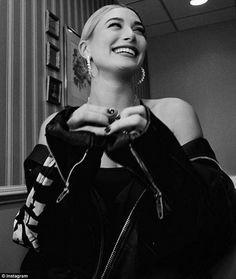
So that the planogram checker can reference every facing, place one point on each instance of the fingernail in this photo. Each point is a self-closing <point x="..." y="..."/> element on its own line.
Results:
<point x="107" y="129"/>
<point x="111" y="111"/>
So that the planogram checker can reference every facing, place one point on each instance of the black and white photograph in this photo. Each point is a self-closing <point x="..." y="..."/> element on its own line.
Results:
<point x="118" y="128"/>
<point x="52" y="25"/>
<point x="54" y="89"/>
<point x="53" y="56"/>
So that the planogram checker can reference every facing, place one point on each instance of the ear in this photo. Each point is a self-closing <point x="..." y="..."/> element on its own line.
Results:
<point x="84" y="49"/>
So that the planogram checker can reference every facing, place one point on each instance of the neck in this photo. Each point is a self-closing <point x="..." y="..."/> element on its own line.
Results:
<point x="117" y="94"/>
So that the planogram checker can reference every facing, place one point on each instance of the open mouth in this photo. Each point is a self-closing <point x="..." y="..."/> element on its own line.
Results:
<point x="131" y="51"/>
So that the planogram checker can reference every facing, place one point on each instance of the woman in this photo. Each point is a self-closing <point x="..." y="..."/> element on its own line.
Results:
<point x="122" y="187"/>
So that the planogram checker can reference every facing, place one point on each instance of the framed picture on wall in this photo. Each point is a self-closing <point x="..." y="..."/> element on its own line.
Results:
<point x="77" y="84"/>
<point x="53" y="56"/>
<point x="54" y="89"/>
<point x="52" y="24"/>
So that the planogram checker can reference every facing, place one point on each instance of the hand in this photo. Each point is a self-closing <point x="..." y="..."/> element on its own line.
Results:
<point x="132" y="120"/>
<point x="91" y="118"/>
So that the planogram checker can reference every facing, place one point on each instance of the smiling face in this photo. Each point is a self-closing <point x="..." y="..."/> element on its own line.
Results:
<point x="118" y="42"/>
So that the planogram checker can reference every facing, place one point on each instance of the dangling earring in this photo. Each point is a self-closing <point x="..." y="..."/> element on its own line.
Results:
<point x="143" y="76"/>
<point x="88" y="59"/>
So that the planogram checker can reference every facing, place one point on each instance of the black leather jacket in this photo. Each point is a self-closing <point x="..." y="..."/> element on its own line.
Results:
<point x="182" y="213"/>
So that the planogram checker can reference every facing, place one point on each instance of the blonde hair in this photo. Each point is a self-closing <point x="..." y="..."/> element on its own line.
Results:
<point x="95" y="18"/>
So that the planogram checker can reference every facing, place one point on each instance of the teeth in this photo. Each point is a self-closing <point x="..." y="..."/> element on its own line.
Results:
<point x="124" y="49"/>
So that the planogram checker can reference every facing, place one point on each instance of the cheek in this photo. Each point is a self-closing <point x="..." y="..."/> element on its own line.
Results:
<point x="101" y="46"/>
<point x="143" y="49"/>
<point x="100" y="53"/>
<point x="97" y="51"/>
<point x="143" y="45"/>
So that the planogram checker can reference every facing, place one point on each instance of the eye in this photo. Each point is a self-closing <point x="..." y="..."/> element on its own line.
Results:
<point x="115" y="24"/>
<point x="140" y="30"/>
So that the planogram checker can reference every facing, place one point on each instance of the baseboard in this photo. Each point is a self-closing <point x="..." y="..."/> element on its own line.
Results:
<point x="12" y="194"/>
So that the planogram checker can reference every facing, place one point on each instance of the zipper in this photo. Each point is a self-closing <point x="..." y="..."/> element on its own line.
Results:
<point x="156" y="191"/>
<point x="66" y="190"/>
<point x="159" y="207"/>
<point x="116" y="247"/>
<point x="67" y="184"/>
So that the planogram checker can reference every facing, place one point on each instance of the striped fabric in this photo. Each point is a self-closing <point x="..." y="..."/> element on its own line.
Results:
<point x="25" y="230"/>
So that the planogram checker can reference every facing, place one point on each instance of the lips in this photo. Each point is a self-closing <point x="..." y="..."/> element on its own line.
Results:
<point x="130" y="50"/>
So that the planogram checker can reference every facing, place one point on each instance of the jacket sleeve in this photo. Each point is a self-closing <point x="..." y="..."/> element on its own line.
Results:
<point x="43" y="185"/>
<point x="79" y="150"/>
<point x="48" y="171"/>
<point x="197" y="195"/>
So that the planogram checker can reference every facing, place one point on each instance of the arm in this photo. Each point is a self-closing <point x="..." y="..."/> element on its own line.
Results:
<point x="180" y="118"/>
<point x="198" y="194"/>
<point x="44" y="180"/>
<point x="194" y="179"/>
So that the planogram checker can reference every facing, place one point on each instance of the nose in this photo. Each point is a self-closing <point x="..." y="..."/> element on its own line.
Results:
<point x="129" y="34"/>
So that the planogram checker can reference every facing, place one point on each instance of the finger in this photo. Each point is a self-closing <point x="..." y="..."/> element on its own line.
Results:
<point x="134" y="122"/>
<point x="91" y="113"/>
<point x="93" y="129"/>
<point x="95" y="118"/>
<point x="110" y="115"/>
<point x="100" y="109"/>
<point x="80" y="119"/>
<point x="134" y="110"/>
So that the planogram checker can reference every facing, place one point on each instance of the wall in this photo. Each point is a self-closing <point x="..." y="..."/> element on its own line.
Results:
<point x="23" y="73"/>
<point x="23" y="103"/>
<point x="199" y="66"/>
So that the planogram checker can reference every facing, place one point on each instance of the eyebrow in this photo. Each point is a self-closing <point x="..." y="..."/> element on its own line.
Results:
<point x="120" y="19"/>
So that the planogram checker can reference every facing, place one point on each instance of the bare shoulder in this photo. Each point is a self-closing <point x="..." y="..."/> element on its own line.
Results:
<point x="178" y="115"/>
<point x="42" y="138"/>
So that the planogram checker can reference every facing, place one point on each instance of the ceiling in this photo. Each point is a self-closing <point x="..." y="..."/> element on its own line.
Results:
<point x="167" y="16"/>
